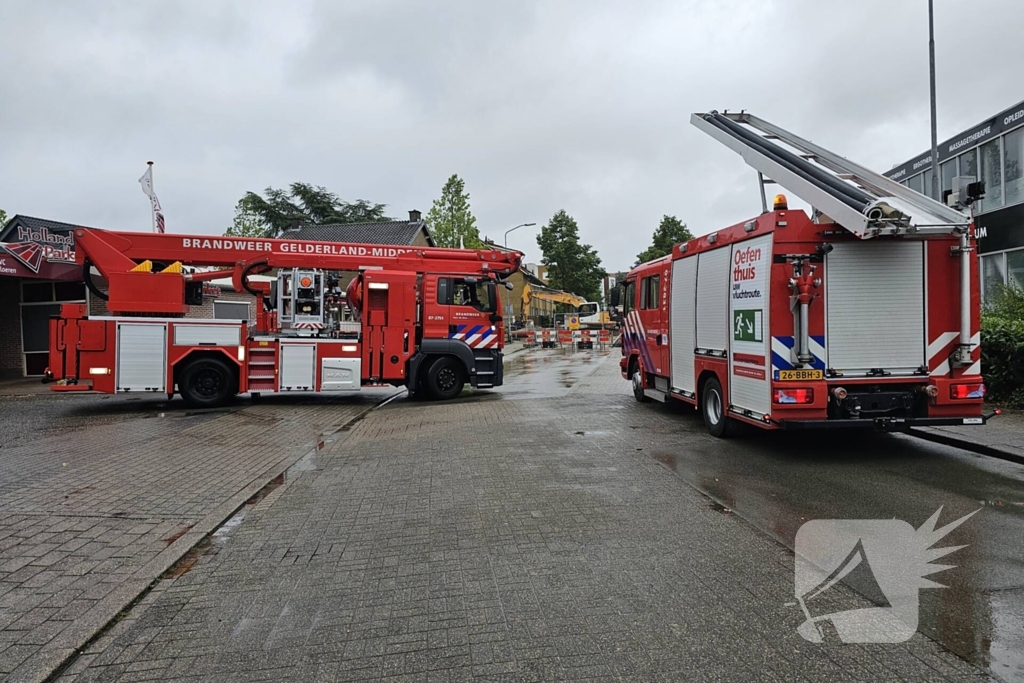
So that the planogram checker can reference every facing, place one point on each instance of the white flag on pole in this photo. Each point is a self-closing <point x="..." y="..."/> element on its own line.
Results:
<point x="147" y="189"/>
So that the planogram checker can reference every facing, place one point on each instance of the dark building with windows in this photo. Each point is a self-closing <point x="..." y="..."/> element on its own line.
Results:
<point x="992" y="151"/>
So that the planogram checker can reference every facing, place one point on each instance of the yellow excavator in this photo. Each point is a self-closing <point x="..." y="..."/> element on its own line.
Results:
<point x="588" y="314"/>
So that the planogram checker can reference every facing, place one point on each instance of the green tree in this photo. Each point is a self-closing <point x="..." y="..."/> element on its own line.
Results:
<point x="451" y="222"/>
<point x="670" y="232"/>
<point x="572" y="266"/>
<point x="3" y="218"/>
<point x="246" y="223"/>
<point x="301" y="204"/>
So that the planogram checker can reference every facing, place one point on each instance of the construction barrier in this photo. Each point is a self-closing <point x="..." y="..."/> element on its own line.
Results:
<point x="565" y="337"/>
<point x="547" y="338"/>
<point x="531" y="338"/>
<point x="585" y="340"/>
<point x="604" y="337"/>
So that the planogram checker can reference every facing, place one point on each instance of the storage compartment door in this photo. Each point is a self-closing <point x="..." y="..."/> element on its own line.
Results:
<point x="749" y="380"/>
<point x="297" y="367"/>
<point x="683" y="316"/>
<point x="713" y="300"/>
<point x="875" y="306"/>
<point x="141" y="357"/>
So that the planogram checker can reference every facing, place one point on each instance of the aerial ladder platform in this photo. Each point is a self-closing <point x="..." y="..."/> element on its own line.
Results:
<point x="864" y="202"/>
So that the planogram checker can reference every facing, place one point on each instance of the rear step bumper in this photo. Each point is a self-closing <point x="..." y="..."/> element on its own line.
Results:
<point x="886" y="424"/>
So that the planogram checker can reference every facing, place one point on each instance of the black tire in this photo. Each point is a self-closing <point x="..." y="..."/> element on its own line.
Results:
<point x="714" y="409"/>
<point x="638" y="385"/>
<point x="445" y="379"/>
<point x="207" y="383"/>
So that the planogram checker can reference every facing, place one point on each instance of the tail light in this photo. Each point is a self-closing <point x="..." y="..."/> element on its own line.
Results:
<point x="961" y="391"/>
<point x="793" y="396"/>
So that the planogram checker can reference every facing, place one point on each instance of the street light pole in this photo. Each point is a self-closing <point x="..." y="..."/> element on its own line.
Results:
<point x="522" y="225"/>
<point x="935" y="128"/>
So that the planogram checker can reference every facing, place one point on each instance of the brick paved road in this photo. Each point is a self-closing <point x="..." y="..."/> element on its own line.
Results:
<point x="519" y="540"/>
<point x="90" y="516"/>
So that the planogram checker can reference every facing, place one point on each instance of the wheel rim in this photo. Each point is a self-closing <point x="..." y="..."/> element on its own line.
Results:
<point x="638" y="386"/>
<point x="208" y="383"/>
<point x="714" y="406"/>
<point x="446" y="379"/>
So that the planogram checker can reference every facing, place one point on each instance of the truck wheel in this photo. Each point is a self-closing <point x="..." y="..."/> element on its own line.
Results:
<point x="445" y="378"/>
<point x="207" y="383"/>
<point x="714" y="409"/>
<point x="638" y="385"/>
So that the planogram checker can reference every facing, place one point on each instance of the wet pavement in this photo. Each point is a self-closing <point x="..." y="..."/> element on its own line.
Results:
<point x="548" y="373"/>
<point x="553" y="529"/>
<point x="778" y="481"/>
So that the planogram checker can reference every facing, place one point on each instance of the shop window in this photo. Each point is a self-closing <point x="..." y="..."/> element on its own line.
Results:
<point x="992" y="175"/>
<point x="231" y="310"/>
<point x="36" y="292"/>
<point x="969" y="164"/>
<point x="993" y="276"/>
<point x="69" y="291"/>
<point x="1015" y="268"/>
<point x="917" y="183"/>
<point x="947" y="170"/>
<point x="1013" y="166"/>
<point x="927" y="180"/>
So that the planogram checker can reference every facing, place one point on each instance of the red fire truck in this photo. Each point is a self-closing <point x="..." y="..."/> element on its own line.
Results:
<point x="425" y="318"/>
<point x="863" y="314"/>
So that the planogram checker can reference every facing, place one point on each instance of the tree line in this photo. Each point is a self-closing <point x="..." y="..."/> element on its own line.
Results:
<point x="572" y="265"/>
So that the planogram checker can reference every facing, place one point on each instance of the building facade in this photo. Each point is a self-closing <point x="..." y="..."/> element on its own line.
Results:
<point x="992" y="151"/>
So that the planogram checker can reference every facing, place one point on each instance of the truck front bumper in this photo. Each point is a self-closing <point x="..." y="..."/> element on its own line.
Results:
<point x="886" y="424"/>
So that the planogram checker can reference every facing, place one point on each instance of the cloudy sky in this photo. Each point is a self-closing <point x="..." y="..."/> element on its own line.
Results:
<point x="538" y="105"/>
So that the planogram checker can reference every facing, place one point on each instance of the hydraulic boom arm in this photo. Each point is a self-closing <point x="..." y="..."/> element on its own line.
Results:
<point x="126" y="260"/>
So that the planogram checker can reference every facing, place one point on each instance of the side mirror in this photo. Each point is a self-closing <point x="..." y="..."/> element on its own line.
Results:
<point x="615" y="295"/>
<point x="495" y="318"/>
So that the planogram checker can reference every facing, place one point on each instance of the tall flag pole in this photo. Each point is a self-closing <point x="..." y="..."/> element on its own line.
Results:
<point x="147" y="189"/>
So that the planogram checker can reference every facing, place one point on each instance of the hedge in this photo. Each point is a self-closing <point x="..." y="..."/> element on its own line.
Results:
<point x="1002" y="359"/>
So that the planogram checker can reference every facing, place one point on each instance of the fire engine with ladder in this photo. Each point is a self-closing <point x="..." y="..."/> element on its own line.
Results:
<point x="864" y="314"/>
<point x="425" y="318"/>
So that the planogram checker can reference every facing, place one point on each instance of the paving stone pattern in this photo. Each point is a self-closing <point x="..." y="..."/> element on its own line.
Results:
<point x="80" y="514"/>
<point x="493" y="540"/>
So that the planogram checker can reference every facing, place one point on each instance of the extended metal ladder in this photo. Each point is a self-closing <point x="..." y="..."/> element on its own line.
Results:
<point x="862" y="201"/>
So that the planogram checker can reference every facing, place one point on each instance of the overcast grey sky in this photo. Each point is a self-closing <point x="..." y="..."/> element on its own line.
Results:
<point x="539" y="106"/>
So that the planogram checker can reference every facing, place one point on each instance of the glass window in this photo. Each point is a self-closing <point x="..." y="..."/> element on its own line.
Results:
<point x="629" y="297"/>
<point x="69" y="291"/>
<point x="1015" y="268"/>
<point x="34" y="292"/>
<point x="35" y="326"/>
<point x="992" y="275"/>
<point x="587" y="309"/>
<point x="650" y="288"/>
<point x="1013" y="166"/>
<point x="927" y="180"/>
<point x="969" y="164"/>
<point x="947" y="169"/>
<point x="916" y="183"/>
<point x="231" y="310"/>
<point x="992" y="175"/>
<point x="479" y="295"/>
<point x="442" y="291"/>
